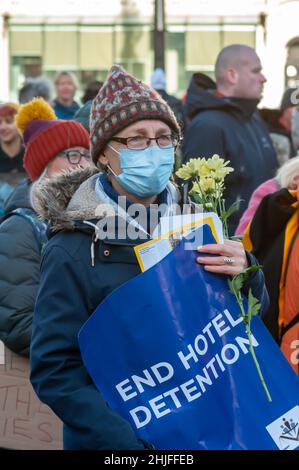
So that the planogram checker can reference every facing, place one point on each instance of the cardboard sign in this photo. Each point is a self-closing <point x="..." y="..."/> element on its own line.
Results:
<point x="25" y="422"/>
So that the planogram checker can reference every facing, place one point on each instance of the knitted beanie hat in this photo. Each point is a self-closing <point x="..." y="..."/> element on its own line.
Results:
<point x="121" y="101"/>
<point x="45" y="136"/>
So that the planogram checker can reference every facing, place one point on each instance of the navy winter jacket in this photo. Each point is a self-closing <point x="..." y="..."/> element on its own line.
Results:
<point x="70" y="290"/>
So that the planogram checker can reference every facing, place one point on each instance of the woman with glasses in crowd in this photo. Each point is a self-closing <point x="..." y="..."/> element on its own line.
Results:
<point x="51" y="147"/>
<point x="133" y="137"/>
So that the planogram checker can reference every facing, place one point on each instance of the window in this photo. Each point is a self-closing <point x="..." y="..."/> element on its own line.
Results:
<point x="175" y="62"/>
<point x="133" y="50"/>
<point x="61" y="48"/>
<point x="96" y="48"/>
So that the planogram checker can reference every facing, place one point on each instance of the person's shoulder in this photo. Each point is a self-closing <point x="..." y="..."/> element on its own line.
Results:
<point x="15" y="225"/>
<point x="210" y="119"/>
<point x="20" y="234"/>
<point x="214" y="116"/>
<point x="267" y="187"/>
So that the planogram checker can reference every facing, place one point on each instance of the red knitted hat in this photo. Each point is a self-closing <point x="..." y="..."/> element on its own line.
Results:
<point x="45" y="136"/>
<point x="121" y="101"/>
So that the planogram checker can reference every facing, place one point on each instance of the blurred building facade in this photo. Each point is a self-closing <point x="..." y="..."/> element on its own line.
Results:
<point x="87" y="37"/>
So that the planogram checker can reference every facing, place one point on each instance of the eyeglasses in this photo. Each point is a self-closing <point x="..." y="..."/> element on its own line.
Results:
<point x="74" y="156"/>
<point x="139" y="142"/>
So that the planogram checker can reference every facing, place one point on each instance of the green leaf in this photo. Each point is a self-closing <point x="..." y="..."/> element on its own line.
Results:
<point x="251" y="269"/>
<point x="254" y="305"/>
<point x="230" y="285"/>
<point x="236" y="238"/>
<point x="243" y="277"/>
<point x="248" y="271"/>
<point x="233" y="208"/>
<point x="223" y="215"/>
<point x="237" y="282"/>
<point x="197" y="198"/>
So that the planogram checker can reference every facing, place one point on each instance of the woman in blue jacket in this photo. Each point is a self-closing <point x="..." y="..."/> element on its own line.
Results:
<point x="133" y="137"/>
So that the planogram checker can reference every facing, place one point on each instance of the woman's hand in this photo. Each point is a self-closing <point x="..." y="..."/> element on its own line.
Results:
<point x="231" y="258"/>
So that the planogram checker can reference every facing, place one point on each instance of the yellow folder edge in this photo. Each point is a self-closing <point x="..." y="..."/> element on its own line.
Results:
<point x="205" y="220"/>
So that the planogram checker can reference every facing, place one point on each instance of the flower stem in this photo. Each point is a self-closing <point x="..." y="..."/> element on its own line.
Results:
<point x="248" y="331"/>
<point x="224" y="220"/>
<point x="239" y="299"/>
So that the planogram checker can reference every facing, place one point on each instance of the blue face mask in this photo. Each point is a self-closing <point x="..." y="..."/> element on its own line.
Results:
<point x="145" y="173"/>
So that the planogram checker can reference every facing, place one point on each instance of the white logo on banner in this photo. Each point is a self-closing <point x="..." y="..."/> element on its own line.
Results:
<point x="285" y="430"/>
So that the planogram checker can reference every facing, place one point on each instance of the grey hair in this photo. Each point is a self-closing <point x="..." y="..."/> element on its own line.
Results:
<point x="287" y="172"/>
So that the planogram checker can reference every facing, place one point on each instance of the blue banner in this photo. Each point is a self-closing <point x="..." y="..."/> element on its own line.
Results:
<point x="169" y="353"/>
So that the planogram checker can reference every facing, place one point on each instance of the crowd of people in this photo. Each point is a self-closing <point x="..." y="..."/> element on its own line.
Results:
<point x="63" y="166"/>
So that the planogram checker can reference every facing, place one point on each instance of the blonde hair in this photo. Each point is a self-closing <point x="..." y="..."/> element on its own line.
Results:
<point x="287" y="172"/>
<point x="71" y="75"/>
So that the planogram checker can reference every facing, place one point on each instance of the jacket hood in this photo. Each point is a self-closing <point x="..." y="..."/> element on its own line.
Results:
<point x="83" y="115"/>
<point x="19" y="197"/>
<point x="201" y="96"/>
<point x="67" y="198"/>
<point x="199" y="84"/>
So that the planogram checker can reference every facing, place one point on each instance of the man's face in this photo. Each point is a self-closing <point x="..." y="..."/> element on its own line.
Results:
<point x="8" y="130"/>
<point x="65" y="88"/>
<point x="249" y="78"/>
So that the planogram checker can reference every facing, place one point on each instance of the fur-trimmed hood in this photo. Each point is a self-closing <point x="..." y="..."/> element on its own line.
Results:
<point x="67" y="198"/>
<point x="70" y="198"/>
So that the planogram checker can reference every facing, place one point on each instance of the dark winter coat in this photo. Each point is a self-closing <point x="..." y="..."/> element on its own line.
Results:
<point x="175" y="104"/>
<point x="83" y="115"/>
<point x="70" y="290"/>
<point x="272" y="236"/>
<point x="231" y="128"/>
<point x="19" y="273"/>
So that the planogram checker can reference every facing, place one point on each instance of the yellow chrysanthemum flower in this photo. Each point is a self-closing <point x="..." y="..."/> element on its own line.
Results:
<point x="190" y="169"/>
<point x="207" y="185"/>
